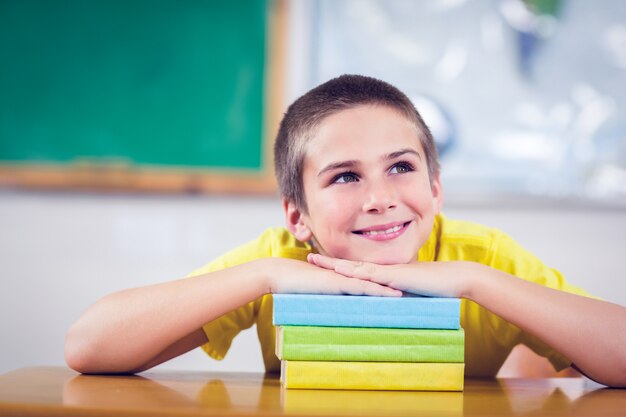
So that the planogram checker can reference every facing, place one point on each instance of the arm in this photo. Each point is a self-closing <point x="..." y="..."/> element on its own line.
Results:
<point x="589" y="332"/>
<point x="135" y="329"/>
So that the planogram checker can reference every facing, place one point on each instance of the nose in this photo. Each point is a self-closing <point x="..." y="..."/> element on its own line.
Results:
<point x="379" y="197"/>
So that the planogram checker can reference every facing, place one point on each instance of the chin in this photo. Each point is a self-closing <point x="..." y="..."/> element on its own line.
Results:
<point x="390" y="259"/>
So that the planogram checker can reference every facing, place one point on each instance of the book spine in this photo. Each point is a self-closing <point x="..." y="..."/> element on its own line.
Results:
<point x="362" y="311"/>
<point x="369" y="344"/>
<point x="413" y="321"/>
<point x="400" y="376"/>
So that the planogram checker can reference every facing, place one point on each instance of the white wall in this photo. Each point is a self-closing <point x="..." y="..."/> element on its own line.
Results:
<point x="60" y="252"/>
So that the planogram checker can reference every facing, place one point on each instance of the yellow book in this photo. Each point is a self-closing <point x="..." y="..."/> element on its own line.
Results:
<point x="401" y="376"/>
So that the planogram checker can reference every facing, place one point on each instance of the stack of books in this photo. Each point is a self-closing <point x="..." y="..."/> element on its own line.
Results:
<point x="370" y="343"/>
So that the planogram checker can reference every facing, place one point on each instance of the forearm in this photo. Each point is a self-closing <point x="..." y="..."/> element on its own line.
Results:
<point x="134" y="329"/>
<point x="127" y="329"/>
<point x="589" y="332"/>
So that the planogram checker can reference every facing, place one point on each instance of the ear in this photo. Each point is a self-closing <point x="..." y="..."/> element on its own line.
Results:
<point x="437" y="190"/>
<point x="296" y="221"/>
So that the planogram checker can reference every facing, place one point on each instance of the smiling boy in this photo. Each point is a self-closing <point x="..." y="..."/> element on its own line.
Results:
<point x="369" y="194"/>
<point x="359" y="177"/>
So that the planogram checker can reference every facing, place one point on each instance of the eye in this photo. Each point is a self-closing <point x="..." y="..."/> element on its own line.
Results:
<point x="345" y="177"/>
<point x="401" y="168"/>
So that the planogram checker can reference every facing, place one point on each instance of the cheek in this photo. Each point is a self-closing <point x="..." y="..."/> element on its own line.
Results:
<point x="330" y="226"/>
<point x="335" y="210"/>
<point x="423" y="201"/>
<point x="333" y="219"/>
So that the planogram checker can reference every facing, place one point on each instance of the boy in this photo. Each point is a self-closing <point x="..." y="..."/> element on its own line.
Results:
<point x="358" y="173"/>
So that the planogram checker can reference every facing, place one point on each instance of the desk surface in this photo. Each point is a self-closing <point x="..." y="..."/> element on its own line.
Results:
<point x="54" y="391"/>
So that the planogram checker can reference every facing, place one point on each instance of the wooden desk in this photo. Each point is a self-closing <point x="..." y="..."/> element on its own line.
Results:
<point x="58" y="391"/>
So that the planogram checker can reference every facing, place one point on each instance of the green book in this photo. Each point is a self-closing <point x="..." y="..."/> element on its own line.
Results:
<point x="313" y="343"/>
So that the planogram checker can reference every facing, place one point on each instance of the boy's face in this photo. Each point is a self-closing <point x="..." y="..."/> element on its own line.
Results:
<point x="369" y="197"/>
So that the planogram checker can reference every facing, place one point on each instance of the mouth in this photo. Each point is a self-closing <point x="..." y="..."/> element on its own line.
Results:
<point x="383" y="232"/>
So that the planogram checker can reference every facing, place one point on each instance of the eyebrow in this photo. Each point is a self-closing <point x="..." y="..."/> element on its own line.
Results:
<point x="352" y="163"/>
<point x="338" y="165"/>
<point x="401" y="152"/>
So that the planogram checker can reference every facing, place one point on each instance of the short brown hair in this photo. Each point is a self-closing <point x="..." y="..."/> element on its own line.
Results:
<point x="307" y="112"/>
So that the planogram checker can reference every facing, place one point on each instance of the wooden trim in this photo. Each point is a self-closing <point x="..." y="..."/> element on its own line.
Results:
<point x="164" y="179"/>
<point x="275" y="76"/>
<point x="135" y="179"/>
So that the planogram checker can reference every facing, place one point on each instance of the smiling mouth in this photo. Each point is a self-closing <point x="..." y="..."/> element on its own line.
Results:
<point x="385" y="233"/>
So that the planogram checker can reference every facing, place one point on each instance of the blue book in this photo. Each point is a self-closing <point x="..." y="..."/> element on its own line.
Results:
<point x="366" y="311"/>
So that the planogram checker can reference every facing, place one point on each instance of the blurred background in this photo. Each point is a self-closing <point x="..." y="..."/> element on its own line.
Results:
<point x="135" y="136"/>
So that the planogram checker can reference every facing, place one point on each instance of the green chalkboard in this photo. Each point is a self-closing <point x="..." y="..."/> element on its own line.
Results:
<point x="163" y="83"/>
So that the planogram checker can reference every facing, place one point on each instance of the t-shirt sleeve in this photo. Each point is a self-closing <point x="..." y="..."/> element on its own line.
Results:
<point x="511" y="257"/>
<point x="221" y="331"/>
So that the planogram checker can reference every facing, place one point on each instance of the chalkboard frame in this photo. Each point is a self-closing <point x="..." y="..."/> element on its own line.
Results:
<point x="119" y="176"/>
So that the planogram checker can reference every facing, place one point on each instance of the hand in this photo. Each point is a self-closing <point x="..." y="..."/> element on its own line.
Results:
<point x="442" y="279"/>
<point x="291" y="276"/>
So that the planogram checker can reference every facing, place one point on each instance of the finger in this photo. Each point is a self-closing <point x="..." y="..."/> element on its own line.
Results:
<point x="332" y="283"/>
<point x="361" y="270"/>
<point x="360" y="287"/>
<point x="322" y="261"/>
<point x="310" y="258"/>
<point x="352" y="269"/>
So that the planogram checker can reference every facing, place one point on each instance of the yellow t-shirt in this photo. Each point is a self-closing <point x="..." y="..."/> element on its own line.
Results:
<point x="488" y="338"/>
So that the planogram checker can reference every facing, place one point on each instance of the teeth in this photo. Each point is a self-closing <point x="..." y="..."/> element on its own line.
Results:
<point x="382" y="232"/>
